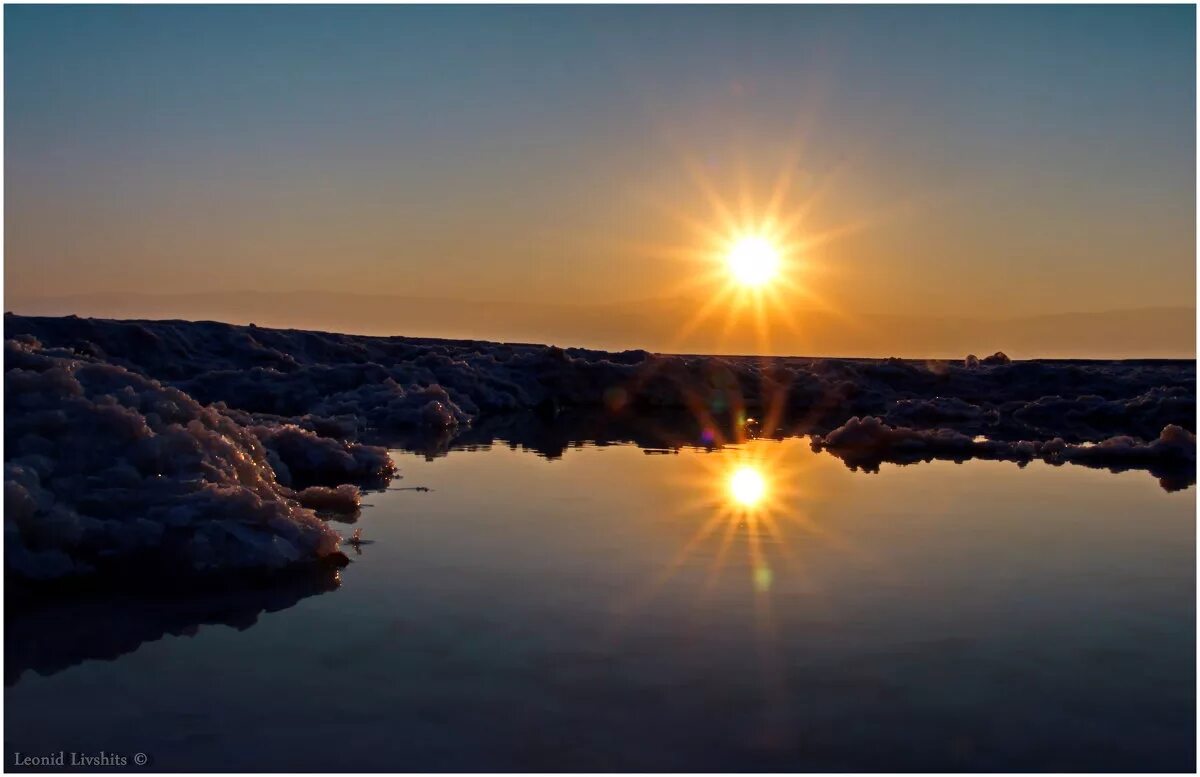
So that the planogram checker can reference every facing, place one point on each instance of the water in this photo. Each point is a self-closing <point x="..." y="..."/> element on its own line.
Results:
<point x="618" y="610"/>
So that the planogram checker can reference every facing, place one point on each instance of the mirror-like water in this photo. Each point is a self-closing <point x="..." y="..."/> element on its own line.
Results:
<point x="758" y="607"/>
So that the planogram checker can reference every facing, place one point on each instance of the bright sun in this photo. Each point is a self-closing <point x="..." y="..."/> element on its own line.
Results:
<point x="747" y="486"/>
<point x="753" y="261"/>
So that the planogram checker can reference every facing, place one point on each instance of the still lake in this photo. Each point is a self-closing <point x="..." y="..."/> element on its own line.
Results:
<point x="758" y="607"/>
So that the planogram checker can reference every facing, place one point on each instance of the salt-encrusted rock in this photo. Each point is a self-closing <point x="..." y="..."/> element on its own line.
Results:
<point x="107" y="469"/>
<point x="195" y="448"/>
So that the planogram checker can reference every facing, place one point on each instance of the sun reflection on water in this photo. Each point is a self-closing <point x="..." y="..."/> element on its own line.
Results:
<point x="747" y="517"/>
<point x="747" y="486"/>
<point x="748" y="512"/>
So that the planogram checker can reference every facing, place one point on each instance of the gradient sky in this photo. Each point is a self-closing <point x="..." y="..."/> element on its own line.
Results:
<point x="972" y="160"/>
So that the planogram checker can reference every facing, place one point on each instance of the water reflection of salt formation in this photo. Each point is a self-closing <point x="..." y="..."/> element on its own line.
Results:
<point x="53" y="634"/>
<point x="1171" y="461"/>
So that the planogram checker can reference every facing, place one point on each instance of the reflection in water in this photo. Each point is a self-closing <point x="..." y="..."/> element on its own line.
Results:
<point x="746" y="493"/>
<point x="747" y="486"/>
<point x="53" y="634"/>
<point x="749" y="514"/>
<point x="759" y="498"/>
<point x="701" y="427"/>
<point x="752" y="503"/>
<point x="613" y="611"/>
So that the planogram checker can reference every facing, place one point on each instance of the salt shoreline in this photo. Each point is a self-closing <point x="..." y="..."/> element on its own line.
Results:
<point x="207" y="448"/>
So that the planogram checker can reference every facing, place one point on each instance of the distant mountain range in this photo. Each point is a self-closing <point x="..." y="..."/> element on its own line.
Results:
<point x="658" y="325"/>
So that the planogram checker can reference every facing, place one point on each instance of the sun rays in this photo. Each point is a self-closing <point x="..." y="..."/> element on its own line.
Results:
<point x="751" y="258"/>
<point x="753" y="491"/>
<point x="752" y="532"/>
<point x="749" y="507"/>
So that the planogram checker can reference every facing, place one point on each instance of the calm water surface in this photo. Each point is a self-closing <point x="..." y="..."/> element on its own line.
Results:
<point x="754" y="608"/>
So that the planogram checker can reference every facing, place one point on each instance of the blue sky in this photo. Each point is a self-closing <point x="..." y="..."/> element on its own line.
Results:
<point x="1035" y="156"/>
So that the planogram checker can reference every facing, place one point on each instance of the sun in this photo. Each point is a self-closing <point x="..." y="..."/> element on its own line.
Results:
<point x="747" y="486"/>
<point x="753" y="261"/>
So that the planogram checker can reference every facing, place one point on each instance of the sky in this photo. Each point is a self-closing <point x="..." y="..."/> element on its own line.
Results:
<point x="948" y="161"/>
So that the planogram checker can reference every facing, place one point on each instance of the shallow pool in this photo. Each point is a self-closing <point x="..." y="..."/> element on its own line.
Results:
<point x="759" y="607"/>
